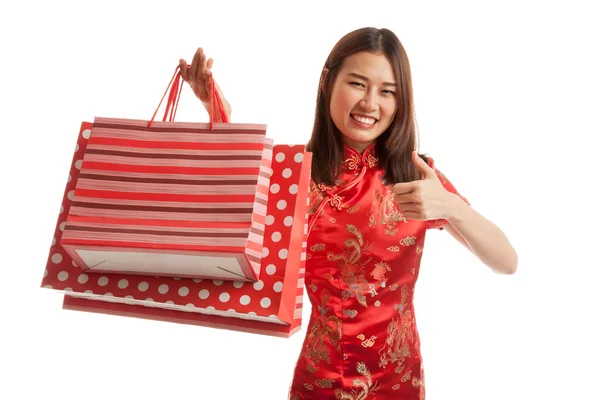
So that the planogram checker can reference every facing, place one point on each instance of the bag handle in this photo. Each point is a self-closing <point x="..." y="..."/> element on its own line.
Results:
<point x="174" y="90"/>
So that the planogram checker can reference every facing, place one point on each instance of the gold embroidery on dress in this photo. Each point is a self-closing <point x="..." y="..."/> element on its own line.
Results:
<point x="372" y="160"/>
<point x="393" y="249"/>
<point x="408" y="241"/>
<point x="313" y="287"/>
<point x="354" y="208"/>
<point x="351" y="267"/>
<point x="295" y="397"/>
<point x="336" y="201"/>
<point x="315" y="349"/>
<point x="400" y="336"/>
<point x="385" y="210"/>
<point x="361" y="337"/>
<point x="364" y="385"/>
<point x="324" y="383"/>
<point x="324" y="188"/>
<point x="315" y="198"/>
<point x="317" y="247"/>
<point x="352" y="162"/>
<point x="308" y="386"/>
<point x="420" y="383"/>
<point x="369" y="342"/>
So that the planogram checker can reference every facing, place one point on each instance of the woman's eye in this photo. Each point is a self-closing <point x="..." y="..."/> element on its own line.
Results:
<point x="357" y="84"/>
<point x="389" y="92"/>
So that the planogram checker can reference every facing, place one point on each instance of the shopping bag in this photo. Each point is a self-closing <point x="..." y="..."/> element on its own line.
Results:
<point x="171" y="198"/>
<point x="270" y="306"/>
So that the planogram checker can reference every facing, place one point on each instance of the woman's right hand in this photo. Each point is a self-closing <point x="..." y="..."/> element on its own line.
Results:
<point x="199" y="75"/>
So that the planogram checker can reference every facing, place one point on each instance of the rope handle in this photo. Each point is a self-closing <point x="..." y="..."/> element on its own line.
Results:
<point x="174" y="91"/>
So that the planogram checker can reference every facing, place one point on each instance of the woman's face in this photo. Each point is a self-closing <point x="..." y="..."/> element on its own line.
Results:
<point x="363" y="99"/>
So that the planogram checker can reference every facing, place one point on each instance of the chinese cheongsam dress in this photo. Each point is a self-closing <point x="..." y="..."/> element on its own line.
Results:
<point x="362" y="264"/>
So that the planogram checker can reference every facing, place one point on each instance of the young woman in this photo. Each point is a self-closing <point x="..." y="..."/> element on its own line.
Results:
<point x="373" y="197"/>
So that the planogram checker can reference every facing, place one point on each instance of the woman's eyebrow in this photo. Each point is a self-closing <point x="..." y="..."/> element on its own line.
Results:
<point x="364" y="78"/>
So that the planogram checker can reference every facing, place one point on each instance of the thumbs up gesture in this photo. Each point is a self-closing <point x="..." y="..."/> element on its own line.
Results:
<point x="424" y="199"/>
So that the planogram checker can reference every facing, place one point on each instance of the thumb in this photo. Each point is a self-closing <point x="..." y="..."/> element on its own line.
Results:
<point x="422" y="166"/>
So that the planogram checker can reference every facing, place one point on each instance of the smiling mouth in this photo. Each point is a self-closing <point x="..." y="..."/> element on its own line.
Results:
<point x="364" y="120"/>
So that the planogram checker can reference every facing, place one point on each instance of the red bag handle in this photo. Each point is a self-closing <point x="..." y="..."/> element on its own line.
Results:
<point x="174" y="90"/>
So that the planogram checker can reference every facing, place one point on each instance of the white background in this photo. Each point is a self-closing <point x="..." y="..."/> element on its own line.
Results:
<point x="507" y="103"/>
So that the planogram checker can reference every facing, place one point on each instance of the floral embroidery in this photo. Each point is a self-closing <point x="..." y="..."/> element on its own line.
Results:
<point x="393" y="249"/>
<point x="351" y="266"/>
<point x="364" y="385"/>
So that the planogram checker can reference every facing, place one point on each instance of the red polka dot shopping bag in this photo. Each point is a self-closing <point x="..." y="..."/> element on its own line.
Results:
<point x="138" y="236"/>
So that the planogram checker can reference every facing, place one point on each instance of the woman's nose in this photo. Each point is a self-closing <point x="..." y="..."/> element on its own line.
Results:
<point x="369" y="101"/>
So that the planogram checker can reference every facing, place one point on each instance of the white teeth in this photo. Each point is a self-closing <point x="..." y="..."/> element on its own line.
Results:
<point x="364" y="120"/>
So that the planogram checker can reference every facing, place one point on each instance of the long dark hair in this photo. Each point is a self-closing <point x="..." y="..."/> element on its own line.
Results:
<point x="395" y="145"/>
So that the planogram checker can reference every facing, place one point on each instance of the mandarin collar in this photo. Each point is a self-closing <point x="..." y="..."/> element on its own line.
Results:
<point x="354" y="161"/>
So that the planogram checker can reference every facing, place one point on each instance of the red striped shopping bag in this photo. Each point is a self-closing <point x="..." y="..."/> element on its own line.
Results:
<point x="170" y="198"/>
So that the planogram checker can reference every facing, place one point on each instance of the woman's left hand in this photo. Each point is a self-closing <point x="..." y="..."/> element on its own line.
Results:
<point x="425" y="199"/>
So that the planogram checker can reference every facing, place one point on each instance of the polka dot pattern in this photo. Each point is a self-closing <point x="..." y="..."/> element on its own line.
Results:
<point x="261" y="298"/>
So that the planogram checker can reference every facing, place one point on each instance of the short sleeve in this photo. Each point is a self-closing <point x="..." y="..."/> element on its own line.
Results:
<point x="439" y="223"/>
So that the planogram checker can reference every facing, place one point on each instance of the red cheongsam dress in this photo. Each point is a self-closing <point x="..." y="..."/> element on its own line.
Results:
<point x="362" y="264"/>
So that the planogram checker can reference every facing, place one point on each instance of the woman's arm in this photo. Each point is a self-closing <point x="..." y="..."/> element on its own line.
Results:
<point x="427" y="199"/>
<point x="481" y="236"/>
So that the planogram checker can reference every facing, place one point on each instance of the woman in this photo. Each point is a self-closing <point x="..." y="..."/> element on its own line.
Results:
<point x="373" y="197"/>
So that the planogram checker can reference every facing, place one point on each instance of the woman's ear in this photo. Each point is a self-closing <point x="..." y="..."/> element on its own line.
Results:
<point x="323" y="77"/>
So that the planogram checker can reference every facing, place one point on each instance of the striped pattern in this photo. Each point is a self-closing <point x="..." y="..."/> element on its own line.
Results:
<point x="176" y="187"/>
